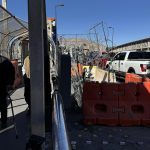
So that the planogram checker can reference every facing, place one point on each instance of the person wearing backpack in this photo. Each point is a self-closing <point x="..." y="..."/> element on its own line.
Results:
<point x="7" y="77"/>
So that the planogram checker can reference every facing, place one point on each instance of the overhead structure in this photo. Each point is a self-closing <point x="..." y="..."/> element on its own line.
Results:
<point x="10" y="28"/>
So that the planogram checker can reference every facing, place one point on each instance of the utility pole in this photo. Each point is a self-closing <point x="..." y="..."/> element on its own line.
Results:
<point x="112" y="40"/>
<point x="56" y="21"/>
<point x="4" y="3"/>
<point x="4" y="38"/>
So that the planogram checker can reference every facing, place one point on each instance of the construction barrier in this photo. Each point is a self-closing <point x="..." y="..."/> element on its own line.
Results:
<point x="116" y="104"/>
<point x="97" y="108"/>
<point x="107" y="105"/>
<point x="100" y="75"/>
<point x="144" y="101"/>
<point x="146" y="79"/>
<point x="130" y="112"/>
<point x="80" y="69"/>
<point x="134" y="78"/>
<point x="89" y="101"/>
<point x="76" y="69"/>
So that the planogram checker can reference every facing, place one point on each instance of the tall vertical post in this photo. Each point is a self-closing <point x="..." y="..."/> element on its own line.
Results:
<point x="5" y="30"/>
<point x="4" y="3"/>
<point x="36" y="12"/>
<point x="56" y="21"/>
<point x="48" y="104"/>
<point x="105" y="36"/>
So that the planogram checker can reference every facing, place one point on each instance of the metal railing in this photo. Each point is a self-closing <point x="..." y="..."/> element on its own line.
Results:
<point x="60" y="135"/>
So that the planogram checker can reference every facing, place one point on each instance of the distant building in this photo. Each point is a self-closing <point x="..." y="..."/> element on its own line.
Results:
<point x="140" y="45"/>
<point x="82" y="42"/>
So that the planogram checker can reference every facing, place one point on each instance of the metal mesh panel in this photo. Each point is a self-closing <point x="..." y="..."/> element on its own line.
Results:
<point x="10" y="27"/>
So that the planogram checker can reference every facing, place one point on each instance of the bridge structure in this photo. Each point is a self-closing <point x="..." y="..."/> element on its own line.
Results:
<point x="14" y="44"/>
<point x="12" y="32"/>
<point x="67" y="128"/>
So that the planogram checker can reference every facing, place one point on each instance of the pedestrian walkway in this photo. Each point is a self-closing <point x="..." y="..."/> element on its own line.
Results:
<point x="8" y="139"/>
<point x="89" y="137"/>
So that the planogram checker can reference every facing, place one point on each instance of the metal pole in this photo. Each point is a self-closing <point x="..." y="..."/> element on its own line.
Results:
<point x="60" y="134"/>
<point x="112" y="35"/>
<point x="105" y="35"/>
<point x="4" y="3"/>
<point x="56" y="24"/>
<point x="59" y="5"/>
<point x="36" y="46"/>
<point x="5" y="30"/>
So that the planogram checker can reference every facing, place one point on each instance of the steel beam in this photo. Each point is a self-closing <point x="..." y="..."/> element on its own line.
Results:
<point x="36" y="47"/>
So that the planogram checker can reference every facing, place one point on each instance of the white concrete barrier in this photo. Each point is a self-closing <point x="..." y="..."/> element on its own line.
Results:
<point x="97" y="74"/>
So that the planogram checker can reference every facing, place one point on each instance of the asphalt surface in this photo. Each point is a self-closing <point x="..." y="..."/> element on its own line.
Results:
<point x="82" y="137"/>
<point x="11" y="139"/>
<point x="98" y="137"/>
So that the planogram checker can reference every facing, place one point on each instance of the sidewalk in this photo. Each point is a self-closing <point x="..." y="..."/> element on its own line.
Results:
<point x="8" y="139"/>
<point x="92" y="137"/>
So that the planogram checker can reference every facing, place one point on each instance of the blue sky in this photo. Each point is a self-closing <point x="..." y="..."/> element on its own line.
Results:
<point x="129" y="18"/>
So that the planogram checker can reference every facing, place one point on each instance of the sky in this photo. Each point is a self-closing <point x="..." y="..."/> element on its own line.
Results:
<point x="130" y="19"/>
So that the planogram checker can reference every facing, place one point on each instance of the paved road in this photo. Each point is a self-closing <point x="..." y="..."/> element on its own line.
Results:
<point x="98" y="137"/>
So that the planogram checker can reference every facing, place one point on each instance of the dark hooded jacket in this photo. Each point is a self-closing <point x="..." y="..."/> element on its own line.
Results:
<point x="7" y="72"/>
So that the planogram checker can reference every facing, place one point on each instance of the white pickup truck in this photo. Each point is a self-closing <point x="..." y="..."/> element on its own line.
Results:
<point x="137" y="62"/>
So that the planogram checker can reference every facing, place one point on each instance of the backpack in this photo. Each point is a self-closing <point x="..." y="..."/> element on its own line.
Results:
<point x="7" y="71"/>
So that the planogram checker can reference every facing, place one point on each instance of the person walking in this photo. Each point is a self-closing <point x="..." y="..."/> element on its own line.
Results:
<point x="26" y="77"/>
<point x="7" y="77"/>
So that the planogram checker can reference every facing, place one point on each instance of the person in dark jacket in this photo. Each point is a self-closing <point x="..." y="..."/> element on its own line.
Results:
<point x="26" y="77"/>
<point x="7" y="77"/>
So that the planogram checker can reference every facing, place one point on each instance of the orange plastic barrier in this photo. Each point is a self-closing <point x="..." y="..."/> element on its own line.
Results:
<point x="91" y="95"/>
<point x="144" y="100"/>
<point x="76" y="69"/>
<point x="80" y="69"/>
<point x="91" y="91"/>
<point x="146" y="79"/>
<point x="18" y="78"/>
<point x="131" y="111"/>
<point x="113" y="104"/>
<point x="107" y="106"/>
<point x="98" y="105"/>
<point x="132" y="78"/>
